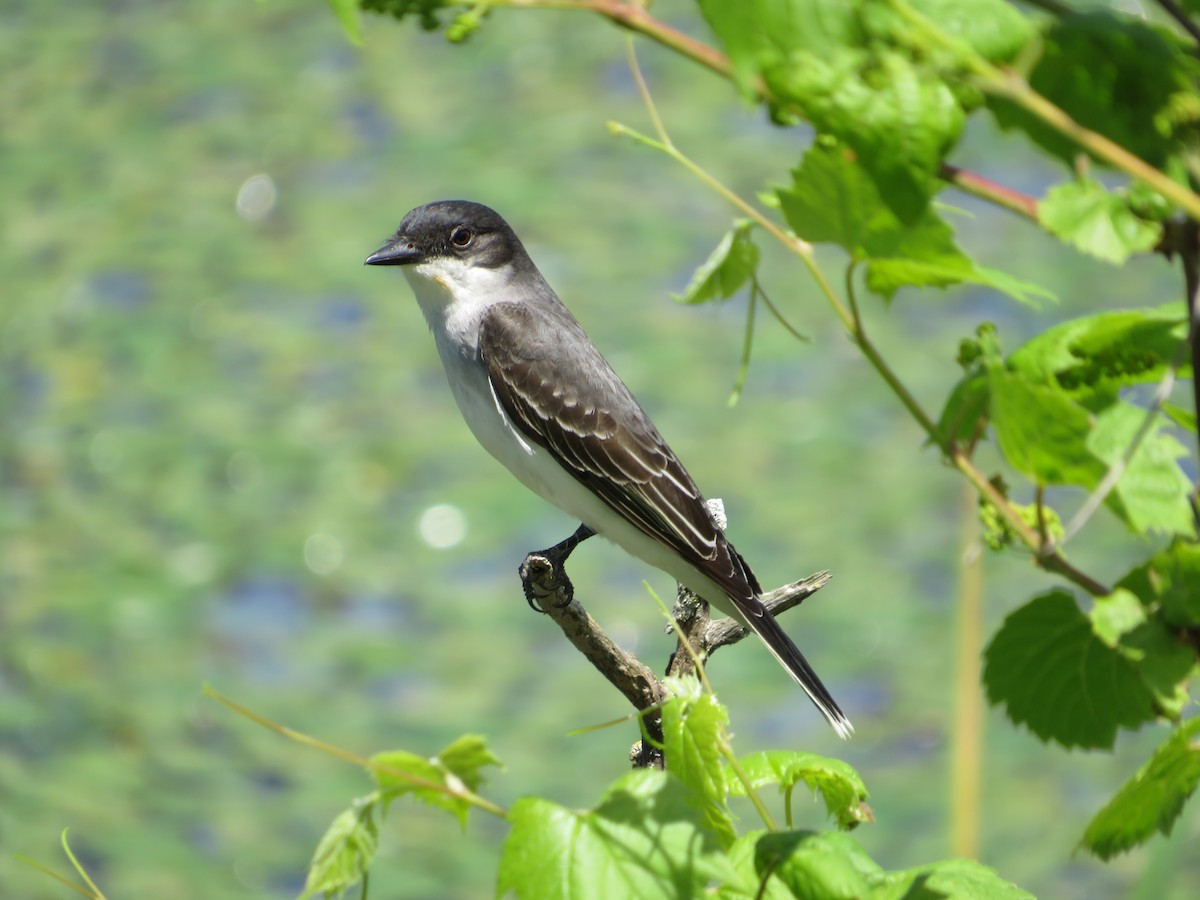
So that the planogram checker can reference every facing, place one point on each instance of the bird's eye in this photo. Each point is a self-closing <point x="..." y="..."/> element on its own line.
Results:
<point x="461" y="237"/>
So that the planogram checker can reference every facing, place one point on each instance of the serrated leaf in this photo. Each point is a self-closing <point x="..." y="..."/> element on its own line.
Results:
<point x="899" y="119"/>
<point x="838" y="784"/>
<point x="693" y="735"/>
<point x="816" y="866"/>
<point x="728" y="268"/>
<point x="1116" y="615"/>
<point x="1159" y="659"/>
<point x="1114" y="74"/>
<point x="344" y="852"/>
<point x="1184" y="418"/>
<point x="1150" y="801"/>
<point x="966" y="409"/>
<point x="1152" y="494"/>
<point x="962" y="879"/>
<point x="1096" y="221"/>
<point x="1092" y="357"/>
<point x="756" y="34"/>
<point x="1041" y="430"/>
<point x="1053" y="673"/>
<point x="1177" y="576"/>
<point x="466" y="758"/>
<point x="1171" y="579"/>
<point x="645" y="840"/>
<point x="444" y="776"/>
<point x="994" y="29"/>
<point x="833" y="200"/>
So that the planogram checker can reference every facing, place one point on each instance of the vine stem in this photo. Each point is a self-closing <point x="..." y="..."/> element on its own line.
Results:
<point x="467" y="796"/>
<point x="635" y="18"/>
<point x="1007" y="83"/>
<point x="1048" y="558"/>
<point x="966" y="725"/>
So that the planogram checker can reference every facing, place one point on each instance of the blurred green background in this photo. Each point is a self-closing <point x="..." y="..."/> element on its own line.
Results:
<point x="229" y="456"/>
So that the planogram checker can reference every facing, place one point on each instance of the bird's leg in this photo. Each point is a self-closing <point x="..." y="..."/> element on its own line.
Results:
<point x="557" y="557"/>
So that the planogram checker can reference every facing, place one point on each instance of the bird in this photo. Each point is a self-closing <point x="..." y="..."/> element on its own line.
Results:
<point x="542" y="400"/>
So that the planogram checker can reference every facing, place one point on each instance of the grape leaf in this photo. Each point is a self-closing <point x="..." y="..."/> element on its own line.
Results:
<point x="693" y="725"/>
<point x="1170" y="579"/>
<point x="1041" y="430"/>
<point x="1052" y="673"/>
<point x="757" y="34"/>
<point x="1152" y="800"/>
<point x="728" y="268"/>
<point x="344" y="852"/>
<point x="645" y="839"/>
<point x="899" y="119"/>
<point x="839" y="785"/>
<point x="833" y="200"/>
<point x="1152" y="493"/>
<point x="962" y="879"/>
<point x="1096" y="221"/>
<point x="1114" y="74"/>
<point x="456" y="767"/>
<point x="1092" y="357"/>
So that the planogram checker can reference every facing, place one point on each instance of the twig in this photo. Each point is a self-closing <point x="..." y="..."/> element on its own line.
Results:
<point x="1117" y="469"/>
<point x="1006" y="83"/>
<point x="636" y="19"/>
<point x="633" y="678"/>
<point x="1190" y="254"/>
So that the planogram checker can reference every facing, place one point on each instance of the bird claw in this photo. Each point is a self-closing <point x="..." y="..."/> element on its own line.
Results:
<point x="542" y="577"/>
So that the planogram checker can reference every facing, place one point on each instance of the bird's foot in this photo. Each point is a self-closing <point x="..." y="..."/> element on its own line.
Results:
<point x="543" y="579"/>
<point x="544" y="575"/>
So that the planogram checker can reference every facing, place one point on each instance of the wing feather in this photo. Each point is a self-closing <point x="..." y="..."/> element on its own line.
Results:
<point x="585" y="416"/>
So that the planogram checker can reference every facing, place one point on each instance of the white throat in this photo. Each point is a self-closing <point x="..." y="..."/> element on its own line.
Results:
<point x="454" y="295"/>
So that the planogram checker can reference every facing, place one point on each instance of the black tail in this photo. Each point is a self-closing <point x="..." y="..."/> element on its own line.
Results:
<point x="793" y="660"/>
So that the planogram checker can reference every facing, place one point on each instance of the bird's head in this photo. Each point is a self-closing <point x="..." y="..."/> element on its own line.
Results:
<point x="449" y="235"/>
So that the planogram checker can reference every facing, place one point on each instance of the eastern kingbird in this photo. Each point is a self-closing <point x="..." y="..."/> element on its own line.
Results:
<point x="541" y="399"/>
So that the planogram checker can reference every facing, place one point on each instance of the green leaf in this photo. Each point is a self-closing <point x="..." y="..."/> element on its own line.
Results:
<point x="1184" y="418"/>
<point x="900" y="120"/>
<point x="458" y="766"/>
<point x="465" y="758"/>
<point x="1041" y="430"/>
<point x="839" y="785"/>
<point x="1052" y="672"/>
<point x="693" y="735"/>
<point x="1117" y="75"/>
<point x="347" y="16"/>
<point x="1116" y="615"/>
<point x="833" y="200"/>
<point x="854" y="71"/>
<point x="965" y="412"/>
<point x="1096" y="221"/>
<point x="1093" y="357"/>
<point x="1161" y="661"/>
<point x="994" y="29"/>
<point x="646" y="839"/>
<point x="1152" y="800"/>
<point x="815" y="866"/>
<point x="425" y="10"/>
<point x="728" y="268"/>
<point x="345" y="851"/>
<point x="1152" y="494"/>
<point x="757" y="34"/>
<point x="1171" y="579"/>
<point x="962" y="879"/>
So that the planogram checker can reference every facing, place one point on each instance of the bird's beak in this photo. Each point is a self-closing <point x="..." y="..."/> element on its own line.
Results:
<point x="397" y="252"/>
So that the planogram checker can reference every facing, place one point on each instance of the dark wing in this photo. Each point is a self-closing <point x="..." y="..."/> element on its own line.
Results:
<point x="565" y="397"/>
